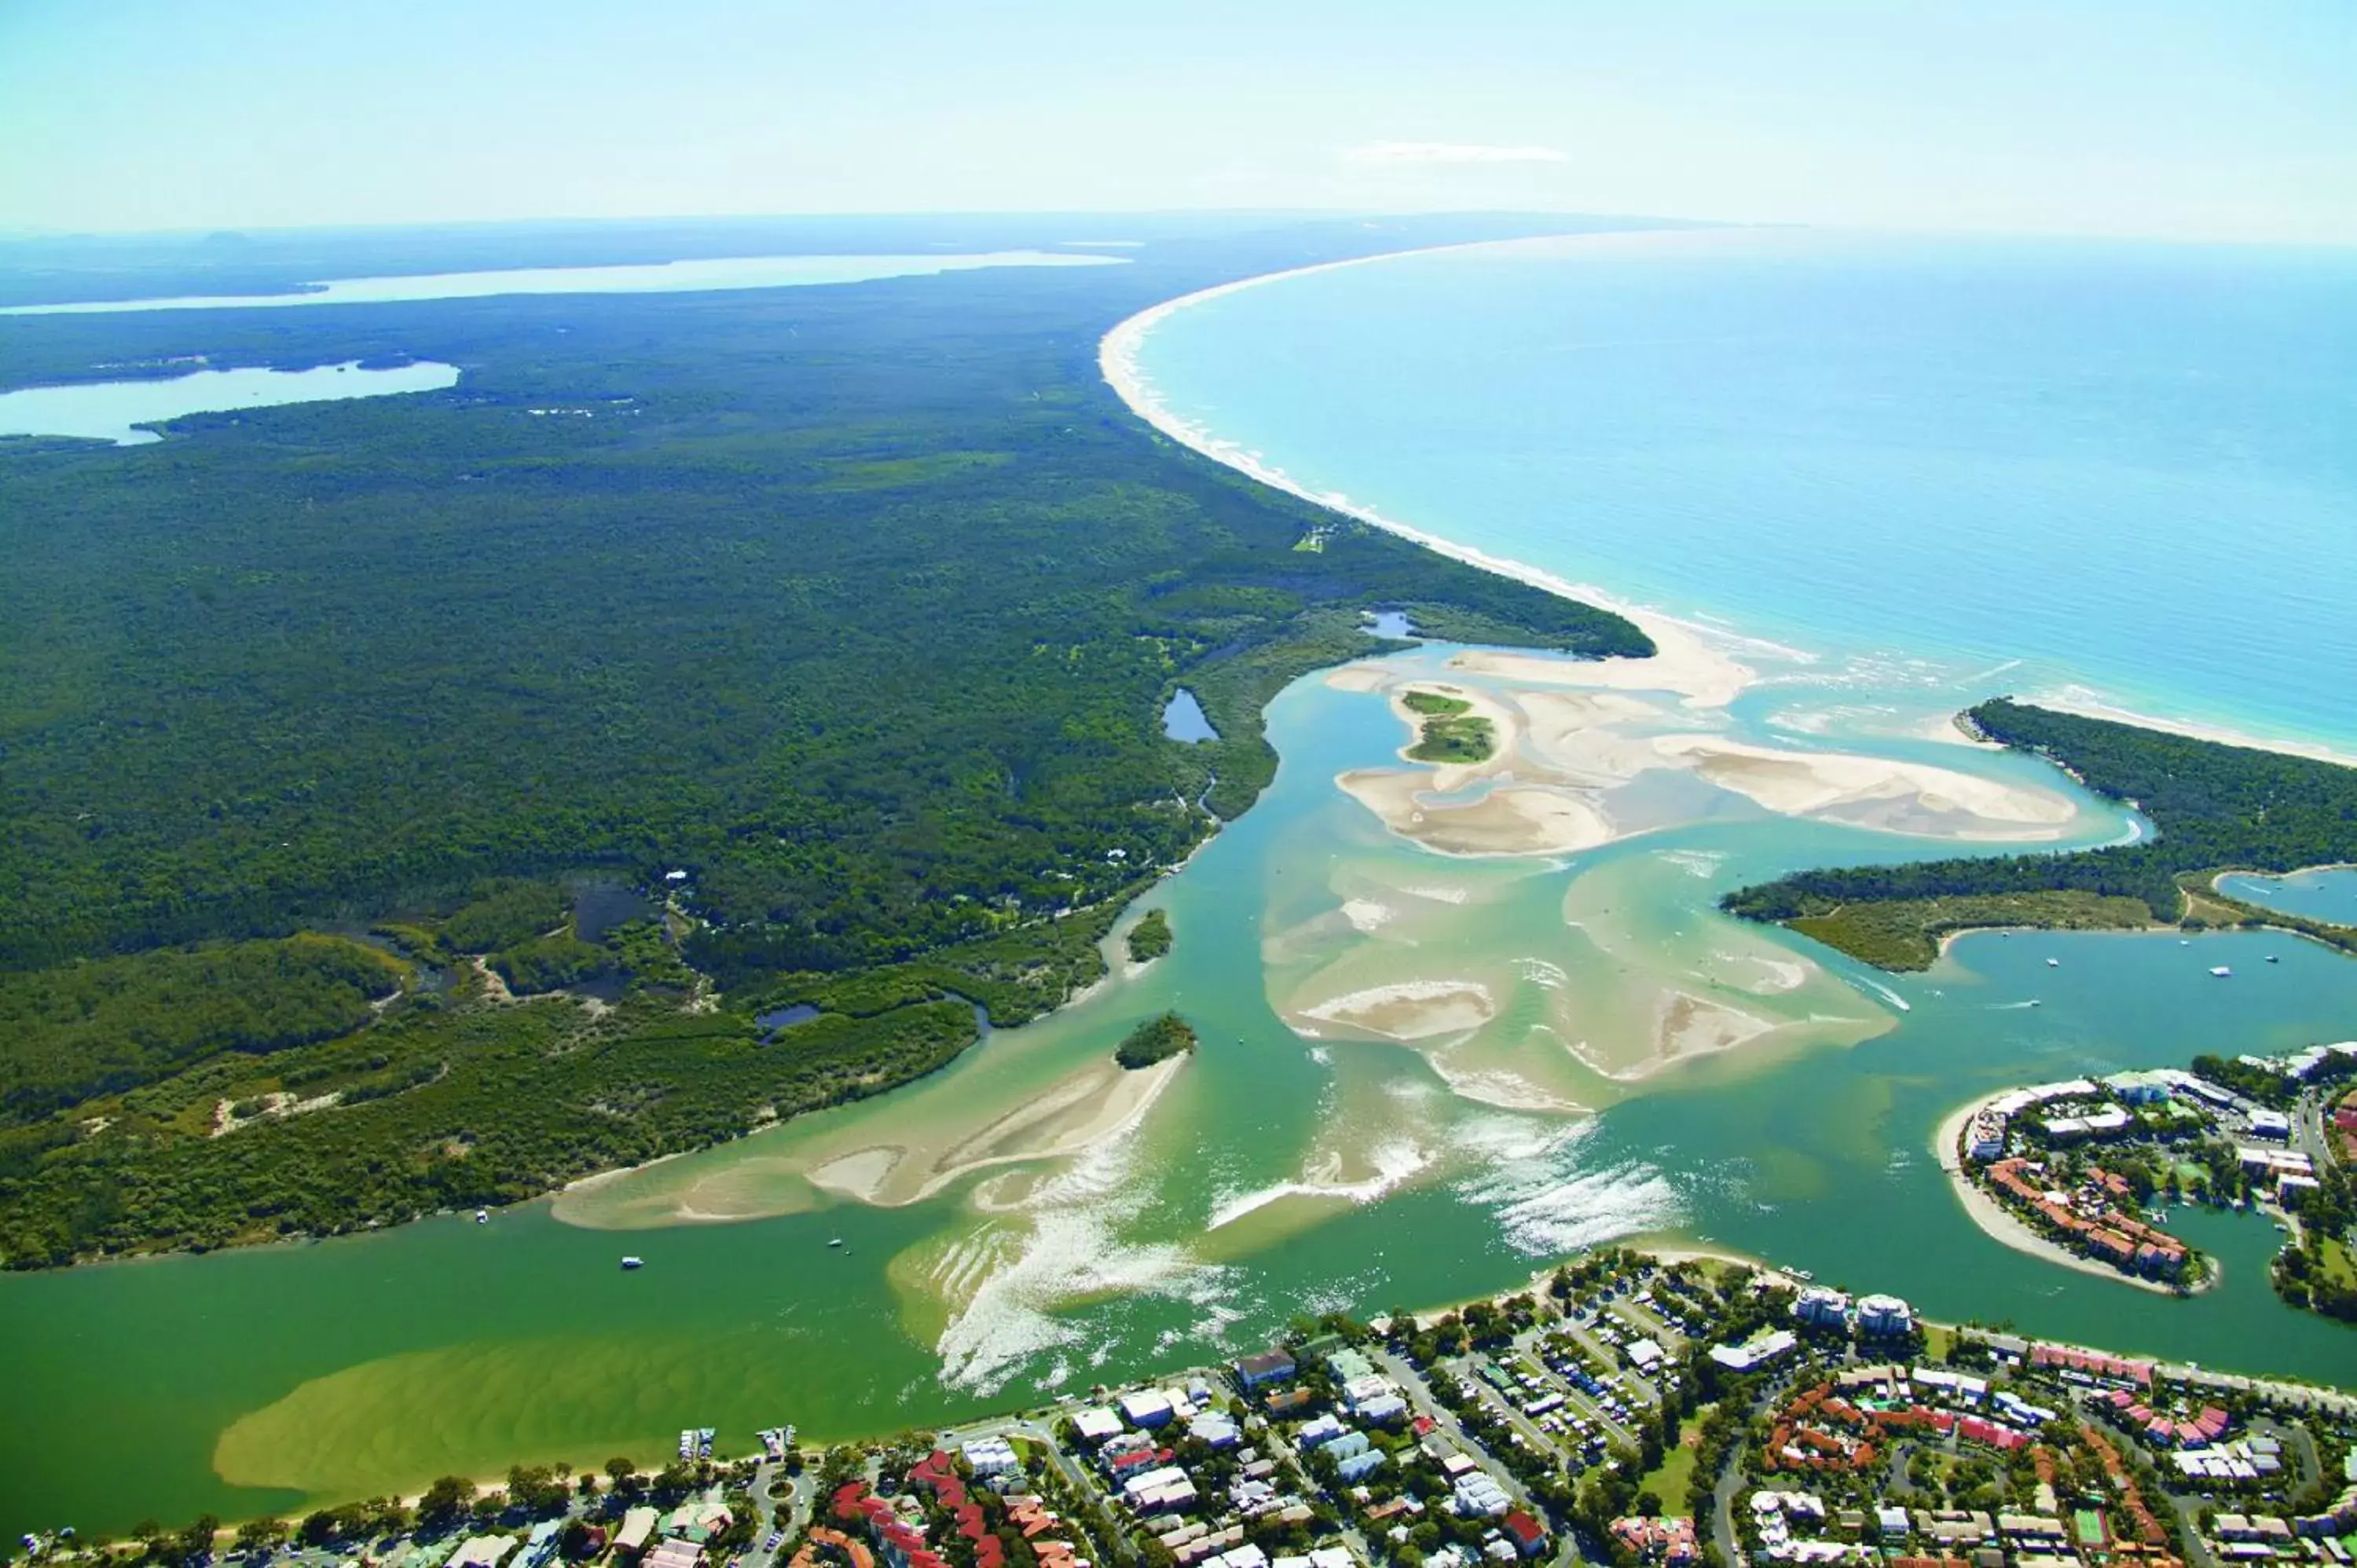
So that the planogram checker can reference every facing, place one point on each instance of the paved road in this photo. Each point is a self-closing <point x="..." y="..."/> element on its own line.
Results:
<point x="1419" y="1396"/>
<point x="801" y="1493"/>
<point x="2295" y="1396"/>
<point x="1042" y="1432"/>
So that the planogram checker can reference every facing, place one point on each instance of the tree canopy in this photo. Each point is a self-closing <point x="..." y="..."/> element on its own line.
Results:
<point x="855" y="606"/>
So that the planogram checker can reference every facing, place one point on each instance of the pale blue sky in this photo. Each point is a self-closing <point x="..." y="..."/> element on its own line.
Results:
<point x="2233" y="119"/>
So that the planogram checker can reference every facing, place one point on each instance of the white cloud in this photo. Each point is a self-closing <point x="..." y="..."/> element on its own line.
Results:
<point x="1399" y="154"/>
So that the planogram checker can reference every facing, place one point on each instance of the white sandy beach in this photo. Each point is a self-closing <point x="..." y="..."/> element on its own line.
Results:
<point x="1685" y="662"/>
<point x="2087" y="705"/>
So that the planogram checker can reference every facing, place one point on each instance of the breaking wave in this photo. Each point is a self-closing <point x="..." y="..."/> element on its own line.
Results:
<point x="1548" y="1199"/>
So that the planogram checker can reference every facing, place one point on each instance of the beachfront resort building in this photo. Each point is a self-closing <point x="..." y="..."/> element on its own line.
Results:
<point x="1822" y="1307"/>
<point x="1884" y="1315"/>
<point x="1768" y="1344"/>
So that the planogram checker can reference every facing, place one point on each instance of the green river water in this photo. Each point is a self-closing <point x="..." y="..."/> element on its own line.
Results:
<point x="1276" y="1174"/>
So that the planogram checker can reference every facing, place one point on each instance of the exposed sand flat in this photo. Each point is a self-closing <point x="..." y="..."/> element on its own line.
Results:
<point x="1411" y="1009"/>
<point x="1588" y="739"/>
<point x="1684" y="664"/>
<point x="756" y="1179"/>
<point x="1911" y="798"/>
<point x="1098" y="1102"/>
<point x="1949" y="730"/>
<point x="1685" y="1025"/>
<point x="861" y="1175"/>
<point x="1510" y="819"/>
<point x="1359" y="678"/>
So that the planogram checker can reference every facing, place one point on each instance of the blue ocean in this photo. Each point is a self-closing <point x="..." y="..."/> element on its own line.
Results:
<point x="2122" y="474"/>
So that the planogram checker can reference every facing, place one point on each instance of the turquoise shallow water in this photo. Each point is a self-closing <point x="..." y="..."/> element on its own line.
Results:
<point x="2119" y="470"/>
<point x="2323" y="893"/>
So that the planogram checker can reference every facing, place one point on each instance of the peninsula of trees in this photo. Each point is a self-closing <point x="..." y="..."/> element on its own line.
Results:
<point x="2216" y="808"/>
<point x="838" y="620"/>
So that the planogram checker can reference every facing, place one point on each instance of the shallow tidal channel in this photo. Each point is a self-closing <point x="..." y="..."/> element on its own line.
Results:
<point x="1272" y="1173"/>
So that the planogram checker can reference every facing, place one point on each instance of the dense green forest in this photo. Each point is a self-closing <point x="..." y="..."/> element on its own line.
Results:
<point x="856" y="606"/>
<point x="439" y="1107"/>
<point x="73" y="1032"/>
<point x="2214" y="807"/>
<point x="1156" y="1039"/>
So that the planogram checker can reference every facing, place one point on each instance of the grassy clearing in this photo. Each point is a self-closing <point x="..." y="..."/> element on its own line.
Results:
<point x="1905" y="934"/>
<point x="1452" y="732"/>
<point x="1673" y="1477"/>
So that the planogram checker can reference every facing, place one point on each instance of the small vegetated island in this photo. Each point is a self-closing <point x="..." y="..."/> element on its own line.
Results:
<point x="1155" y="1040"/>
<point x="2216" y="808"/>
<point x="1150" y="937"/>
<point x="1450" y="730"/>
<point x="410" y="670"/>
<point x="2092" y="1167"/>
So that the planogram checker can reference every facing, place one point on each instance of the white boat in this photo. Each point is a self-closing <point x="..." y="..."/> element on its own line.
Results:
<point x="482" y="1217"/>
<point x="2222" y="971"/>
<point x="836" y="1242"/>
<point x="629" y="1261"/>
<point x="2054" y="963"/>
